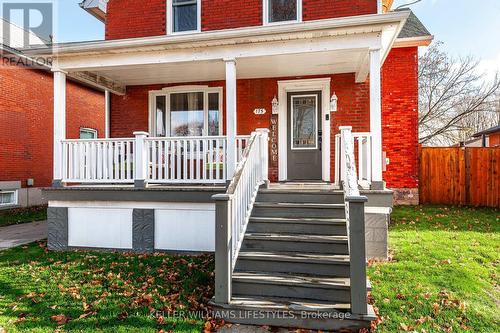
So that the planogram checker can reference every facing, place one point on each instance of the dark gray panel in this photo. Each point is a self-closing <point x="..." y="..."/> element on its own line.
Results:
<point x="143" y="230"/>
<point x="57" y="228"/>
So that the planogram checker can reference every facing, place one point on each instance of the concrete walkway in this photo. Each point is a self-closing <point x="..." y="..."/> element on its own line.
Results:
<point x="19" y="234"/>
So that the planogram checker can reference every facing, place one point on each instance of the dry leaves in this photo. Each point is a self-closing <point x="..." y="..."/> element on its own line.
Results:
<point x="60" y="319"/>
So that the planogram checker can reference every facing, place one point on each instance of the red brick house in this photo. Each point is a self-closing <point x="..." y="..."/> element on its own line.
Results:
<point x="26" y="125"/>
<point x="271" y="132"/>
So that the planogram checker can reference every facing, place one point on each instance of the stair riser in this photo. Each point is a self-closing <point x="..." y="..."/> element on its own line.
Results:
<point x="301" y="247"/>
<point x="331" y="270"/>
<point x="336" y="198"/>
<point x="274" y="290"/>
<point x="295" y="212"/>
<point x="295" y="228"/>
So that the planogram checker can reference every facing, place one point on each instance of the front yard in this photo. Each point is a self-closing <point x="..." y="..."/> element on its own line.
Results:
<point x="444" y="274"/>
<point x="44" y="291"/>
<point x="443" y="277"/>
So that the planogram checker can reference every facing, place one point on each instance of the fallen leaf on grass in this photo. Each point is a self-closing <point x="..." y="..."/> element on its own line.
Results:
<point x="60" y="319"/>
<point x="123" y="315"/>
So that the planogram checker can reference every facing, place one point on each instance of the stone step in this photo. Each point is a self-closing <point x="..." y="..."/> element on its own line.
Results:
<point x="285" y="312"/>
<point x="297" y="210"/>
<point x="296" y="243"/>
<point x="304" y="226"/>
<point x="332" y="265"/>
<point x="299" y="287"/>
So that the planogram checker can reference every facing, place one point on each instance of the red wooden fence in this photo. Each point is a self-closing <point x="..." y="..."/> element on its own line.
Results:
<point x="460" y="176"/>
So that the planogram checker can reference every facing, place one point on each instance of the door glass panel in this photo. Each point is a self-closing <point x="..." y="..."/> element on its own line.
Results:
<point x="186" y="114"/>
<point x="282" y="10"/>
<point x="213" y="114"/>
<point x="304" y="122"/>
<point x="161" y="111"/>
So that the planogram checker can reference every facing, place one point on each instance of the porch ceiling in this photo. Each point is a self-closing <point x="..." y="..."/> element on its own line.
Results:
<point x="332" y="62"/>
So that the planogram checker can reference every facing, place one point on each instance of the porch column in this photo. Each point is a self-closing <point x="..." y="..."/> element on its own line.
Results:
<point x="231" y="116"/>
<point x="59" y="125"/>
<point x="107" y="111"/>
<point x="376" y="118"/>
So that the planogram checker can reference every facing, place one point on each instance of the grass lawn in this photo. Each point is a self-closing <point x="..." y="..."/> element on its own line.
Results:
<point x="22" y="215"/>
<point x="44" y="291"/>
<point x="443" y="278"/>
<point x="444" y="274"/>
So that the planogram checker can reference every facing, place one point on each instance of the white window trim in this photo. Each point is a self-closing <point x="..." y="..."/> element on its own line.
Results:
<point x="184" y="89"/>
<point x="315" y="122"/>
<point x="92" y="130"/>
<point x="16" y="197"/>
<point x="265" y="13"/>
<point x="170" y="20"/>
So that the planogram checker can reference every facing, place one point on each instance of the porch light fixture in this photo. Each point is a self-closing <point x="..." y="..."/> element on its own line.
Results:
<point x="333" y="103"/>
<point x="276" y="105"/>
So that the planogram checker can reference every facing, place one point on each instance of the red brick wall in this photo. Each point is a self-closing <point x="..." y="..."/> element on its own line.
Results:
<point x="400" y="117"/>
<point x="26" y="122"/>
<point x="320" y="9"/>
<point x="132" y="18"/>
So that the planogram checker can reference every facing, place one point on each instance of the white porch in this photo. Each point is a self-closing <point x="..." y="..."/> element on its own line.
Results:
<point x="348" y="45"/>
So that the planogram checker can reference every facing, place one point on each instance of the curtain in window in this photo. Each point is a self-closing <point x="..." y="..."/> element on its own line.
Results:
<point x="186" y="114"/>
<point x="185" y="15"/>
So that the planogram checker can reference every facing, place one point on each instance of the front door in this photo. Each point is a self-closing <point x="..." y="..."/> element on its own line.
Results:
<point x="304" y="136"/>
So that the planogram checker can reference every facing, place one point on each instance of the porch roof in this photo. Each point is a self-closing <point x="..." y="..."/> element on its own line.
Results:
<point x="339" y="45"/>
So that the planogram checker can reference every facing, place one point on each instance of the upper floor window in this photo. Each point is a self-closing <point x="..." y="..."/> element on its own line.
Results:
<point x="183" y="16"/>
<point x="281" y="11"/>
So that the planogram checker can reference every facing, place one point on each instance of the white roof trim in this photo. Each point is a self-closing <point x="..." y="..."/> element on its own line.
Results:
<point x="373" y="22"/>
<point x="413" y="41"/>
<point x="96" y="8"/>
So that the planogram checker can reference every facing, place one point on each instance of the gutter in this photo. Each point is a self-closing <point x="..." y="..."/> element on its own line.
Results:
<point x="219" y="35"/>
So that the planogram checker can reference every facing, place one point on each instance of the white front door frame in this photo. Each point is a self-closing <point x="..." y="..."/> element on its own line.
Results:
<point x="284" y="87"/>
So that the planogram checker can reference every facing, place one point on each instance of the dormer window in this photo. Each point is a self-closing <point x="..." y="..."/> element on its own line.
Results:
<point x="183" y="16"/>
<point x="282" y="11"/>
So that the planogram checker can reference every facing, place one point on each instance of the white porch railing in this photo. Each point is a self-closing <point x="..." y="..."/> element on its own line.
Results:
<point x="96" y="161"/>
<point x="233" y="209"/>
<point x="194" y="160"/>
<point x="362" y="144"/>
<point x="355" y="218"/>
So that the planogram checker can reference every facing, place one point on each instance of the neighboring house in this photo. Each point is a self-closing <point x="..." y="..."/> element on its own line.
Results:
<point x="487" y="138"/>
<point x="26" y="121"/>
<point x="245" y="128"/>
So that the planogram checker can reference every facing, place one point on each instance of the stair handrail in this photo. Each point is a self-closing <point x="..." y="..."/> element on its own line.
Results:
<point x="355" y="218"/>
<point x="233" y="210"/>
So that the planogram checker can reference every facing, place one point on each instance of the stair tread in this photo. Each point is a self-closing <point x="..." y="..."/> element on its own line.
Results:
<point x="298" y="205"/>
<point x="292" y="280"/>
<point x="298" y="220"/>
<point x="277" y="303"/>
<point x="295" y="256"/>
<point x="295" y="237"/>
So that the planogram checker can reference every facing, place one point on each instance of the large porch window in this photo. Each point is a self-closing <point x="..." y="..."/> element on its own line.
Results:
<point x="179" y="112"/>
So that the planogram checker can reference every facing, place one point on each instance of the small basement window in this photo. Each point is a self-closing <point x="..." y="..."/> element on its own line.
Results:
<point x="184" y="16"/>
<point x="88" y="133"/>
<point x="8" y="198"/>
<point x="282" y="11"/>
